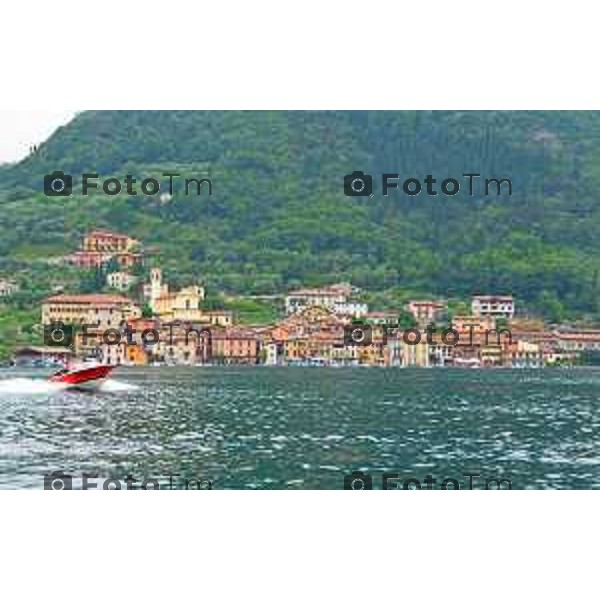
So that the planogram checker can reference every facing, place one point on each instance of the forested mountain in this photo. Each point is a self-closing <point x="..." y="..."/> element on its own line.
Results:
<point x="278" y="216"/>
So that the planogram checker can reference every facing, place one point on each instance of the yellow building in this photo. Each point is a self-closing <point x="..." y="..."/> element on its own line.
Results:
<point x="103" y="310"/>
<point x="181" y="305"/>
<point x="108" y="242"/>
<point x="99" y="311"/>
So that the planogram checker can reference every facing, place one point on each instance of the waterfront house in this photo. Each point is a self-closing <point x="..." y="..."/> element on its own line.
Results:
<point x="99" y="311"/>
<point x="413" y="355"/>
<point x="522" y="354"/>
<point x="534" y="332"/>
<point x="106" y="310"/>
<point x="40" y="356"/>
<point x="572" y="342"/>
<point x="236" y="345"/>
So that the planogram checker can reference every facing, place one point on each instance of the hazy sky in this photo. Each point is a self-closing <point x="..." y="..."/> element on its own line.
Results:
<point x="20" y="129"/>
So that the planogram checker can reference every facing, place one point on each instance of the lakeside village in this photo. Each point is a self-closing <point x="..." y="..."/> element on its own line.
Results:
<point x="313" y="331"/>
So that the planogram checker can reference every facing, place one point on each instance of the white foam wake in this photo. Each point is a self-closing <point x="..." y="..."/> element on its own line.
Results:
<point x="22" y="385"/>
<point x="113" y="385"/>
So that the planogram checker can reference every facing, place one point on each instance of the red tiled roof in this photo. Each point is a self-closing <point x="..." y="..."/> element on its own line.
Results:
<point x="234" y="333"/>
<point x="313" y="292"/>
<point x="589" y="335"/>
<point x="494" y="298"/>
<point x="105" y="299"/>
<point x="145" y="322"/>
<point x="426" y="303"/>
<point x="107" y="234"/>
<point x="84" y="254"/>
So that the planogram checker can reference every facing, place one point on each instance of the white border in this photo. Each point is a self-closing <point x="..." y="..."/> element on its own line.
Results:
<point x="312" y="54"/>
<point x="337" y="55"/>
<point x="298" y="545"/>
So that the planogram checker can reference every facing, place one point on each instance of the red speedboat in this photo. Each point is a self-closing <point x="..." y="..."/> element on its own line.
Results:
<point x="85" y="375"/>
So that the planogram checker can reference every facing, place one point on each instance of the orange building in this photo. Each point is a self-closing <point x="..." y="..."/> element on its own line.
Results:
<point x="87" y="260"/>
<point x="99" y="247"/>
<point x="127" y="260"/>
<point x="108" y="242"/>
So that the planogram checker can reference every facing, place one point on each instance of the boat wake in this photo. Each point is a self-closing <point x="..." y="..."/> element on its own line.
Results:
<point x="114" y="385"/>
<point x="22" y="385"/>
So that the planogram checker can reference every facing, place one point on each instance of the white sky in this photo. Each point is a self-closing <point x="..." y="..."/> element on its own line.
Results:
<point x="20" y="129"/>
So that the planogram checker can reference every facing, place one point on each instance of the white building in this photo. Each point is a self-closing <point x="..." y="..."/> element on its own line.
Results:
<point x="493" y="306"/>
<point x="335" y="298"/>
<point x="271" y="354"/>
<point x="7" y="288"/>
<point x="121" y="280"/>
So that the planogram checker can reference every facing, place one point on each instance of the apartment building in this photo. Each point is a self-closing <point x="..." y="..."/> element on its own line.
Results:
<point x="337" y="298"/>
<point x="99" y="247"/>
<point x="108" y="242"/>
<point x="105" y="309"/>
<point x="571" y="343"/>
<point x="236" y="345"/>
<point x="493" y="306"/>
<point x="99" y="311"/>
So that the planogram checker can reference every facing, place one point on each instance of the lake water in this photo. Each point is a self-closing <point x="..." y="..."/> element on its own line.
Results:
<point x="306" y="428"/>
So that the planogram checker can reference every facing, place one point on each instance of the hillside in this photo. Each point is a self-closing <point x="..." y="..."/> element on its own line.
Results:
<point x="278" y="216"/>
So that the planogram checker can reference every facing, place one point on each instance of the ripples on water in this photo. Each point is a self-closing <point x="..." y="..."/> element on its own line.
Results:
<point x="305" y="428"/>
